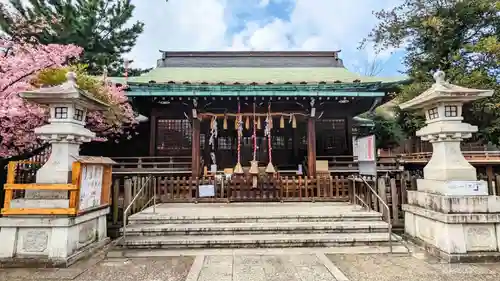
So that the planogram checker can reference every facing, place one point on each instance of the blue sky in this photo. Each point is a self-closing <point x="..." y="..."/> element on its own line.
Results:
<point x="263" y="25"/>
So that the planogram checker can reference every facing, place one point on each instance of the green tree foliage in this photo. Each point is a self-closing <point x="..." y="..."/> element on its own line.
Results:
<point x="386" y="128"/>
<point x="459" y="37"/>
<point x="100" y="27"/>
<point x="118" y="70"/>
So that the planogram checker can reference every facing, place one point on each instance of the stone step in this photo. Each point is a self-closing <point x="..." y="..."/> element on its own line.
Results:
<point x="397" y="249"/>
<point x="254" y="241"/>
<point x="257" y="228"/>
<point x="150" y="218"/>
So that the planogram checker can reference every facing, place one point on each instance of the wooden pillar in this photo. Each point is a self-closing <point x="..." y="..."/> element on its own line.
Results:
<point x="349" y="123"/>
<point x="207" y="149"/>
<point x="491" y="179"/>
<point x="195" y="148"/>
<point x="311" y="146"/>
<point x="152" y="134"/>
<point x="295" y="143"/>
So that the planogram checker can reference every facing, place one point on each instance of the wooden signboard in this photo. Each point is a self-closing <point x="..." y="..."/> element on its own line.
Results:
<point x="94" y="182"/>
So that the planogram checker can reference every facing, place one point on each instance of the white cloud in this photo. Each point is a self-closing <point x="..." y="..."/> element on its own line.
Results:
<point x="178" y="25"/>
<point x="320" y="25"/>
<point x="264" y="3"/>
<point x="205" y="25"/>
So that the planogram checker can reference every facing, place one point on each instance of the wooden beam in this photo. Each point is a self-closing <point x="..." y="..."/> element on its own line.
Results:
<point x="311" y="146"/>
<point x="195" y="148"/>
<point x="11" y="172"/>
<point x="35" y="186"/>
<point x="36" y="211"/>
<point x="74" y="195"/>
<point x="106" y="185"/>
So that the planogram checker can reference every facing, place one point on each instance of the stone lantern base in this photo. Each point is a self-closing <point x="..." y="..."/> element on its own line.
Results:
<point x="456" y="228"/>
<point x="51" y="241"/>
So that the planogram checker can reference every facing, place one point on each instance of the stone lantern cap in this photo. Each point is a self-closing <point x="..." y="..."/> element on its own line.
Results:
<point x="68" y="92"/>
<point x="444" y="92"/>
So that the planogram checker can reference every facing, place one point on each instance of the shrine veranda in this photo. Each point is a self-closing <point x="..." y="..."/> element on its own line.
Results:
<point x="217" y="107"/>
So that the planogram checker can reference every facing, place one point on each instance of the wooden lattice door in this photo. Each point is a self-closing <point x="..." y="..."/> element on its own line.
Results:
<point x="173" y="137"/>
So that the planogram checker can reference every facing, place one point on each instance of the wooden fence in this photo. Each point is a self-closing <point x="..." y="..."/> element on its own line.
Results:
<point x="185" y="189"/>
<point x="391" y="190"/>
<point x="391" y="186"/>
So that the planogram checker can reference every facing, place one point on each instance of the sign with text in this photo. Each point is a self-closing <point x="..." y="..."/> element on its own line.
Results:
<point x="91" y="186"/>
<point x="207" y="190"/>
<point x="467" y="188"/>
<point x="367" y="158"/>
<point x="365" y="148"/>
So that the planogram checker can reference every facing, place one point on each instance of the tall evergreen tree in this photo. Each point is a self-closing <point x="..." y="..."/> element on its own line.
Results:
<point x="100" y="27"/>
<point x="461" y="37"/>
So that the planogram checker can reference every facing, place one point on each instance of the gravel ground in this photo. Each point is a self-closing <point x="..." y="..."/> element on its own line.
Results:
<point x="402" y="268"/>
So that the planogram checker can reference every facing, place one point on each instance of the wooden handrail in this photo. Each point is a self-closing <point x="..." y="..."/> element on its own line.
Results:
<point x="10" y="187"/>
<point x="73" y="188"/>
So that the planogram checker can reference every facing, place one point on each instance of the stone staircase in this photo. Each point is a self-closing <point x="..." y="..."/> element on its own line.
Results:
<point x="254" y="225"/>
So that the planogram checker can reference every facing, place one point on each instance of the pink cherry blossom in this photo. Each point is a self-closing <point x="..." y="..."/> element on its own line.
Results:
<point x="20" y="62"/>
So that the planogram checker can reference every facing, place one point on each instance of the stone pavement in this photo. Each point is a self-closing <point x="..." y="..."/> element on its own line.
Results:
<point x="265" y="265"/>
<point x="418" y="267"/>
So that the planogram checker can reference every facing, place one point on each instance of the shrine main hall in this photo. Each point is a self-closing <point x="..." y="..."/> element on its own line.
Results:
<point x="223" y="110"/>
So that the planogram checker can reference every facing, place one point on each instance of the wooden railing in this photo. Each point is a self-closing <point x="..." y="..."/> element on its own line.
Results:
<point x="177" y="165"/>
<point x="383" y="191"/>
<point x="474" y="157"/>
<point x="73" y="189"/>
<point x="415" y="145"/>
<point x="347" y="165"/>
<point x="10" y="188"/>
<point x="363" y="193"/>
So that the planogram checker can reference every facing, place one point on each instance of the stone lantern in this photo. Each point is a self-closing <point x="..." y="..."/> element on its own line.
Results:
<point x="442" y="105"/>
<point x="46" y="228"/>
<point x="451" y="212"/>
<point x="68" y="106"/>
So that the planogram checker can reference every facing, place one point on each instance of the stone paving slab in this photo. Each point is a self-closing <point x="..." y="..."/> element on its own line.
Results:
<point x="123" y="269"/>
<point x="410" y="268"/>
<point x="298" y="265"/>
<point x="305" y="267"/>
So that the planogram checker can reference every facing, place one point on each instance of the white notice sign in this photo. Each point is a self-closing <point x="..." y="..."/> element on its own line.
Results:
<point x="91" y="186"/>
<point x="467" y="188"/>
<point x="213" y="168"/>
<point x="207" y="190"/>
<point x="365" y="148"/>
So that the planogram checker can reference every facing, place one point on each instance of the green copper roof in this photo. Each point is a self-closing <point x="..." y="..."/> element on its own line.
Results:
<point x="253" y="75"/>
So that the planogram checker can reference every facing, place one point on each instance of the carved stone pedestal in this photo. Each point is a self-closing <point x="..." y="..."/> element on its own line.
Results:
<point x="456" y="228"/>
<point x="38" y="241"/>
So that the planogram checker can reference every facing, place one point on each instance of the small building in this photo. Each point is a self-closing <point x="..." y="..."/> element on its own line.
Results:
<point x="221" y="107"/>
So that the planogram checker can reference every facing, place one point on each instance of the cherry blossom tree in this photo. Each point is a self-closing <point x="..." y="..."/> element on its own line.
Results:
<point x="21" y="64"/>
